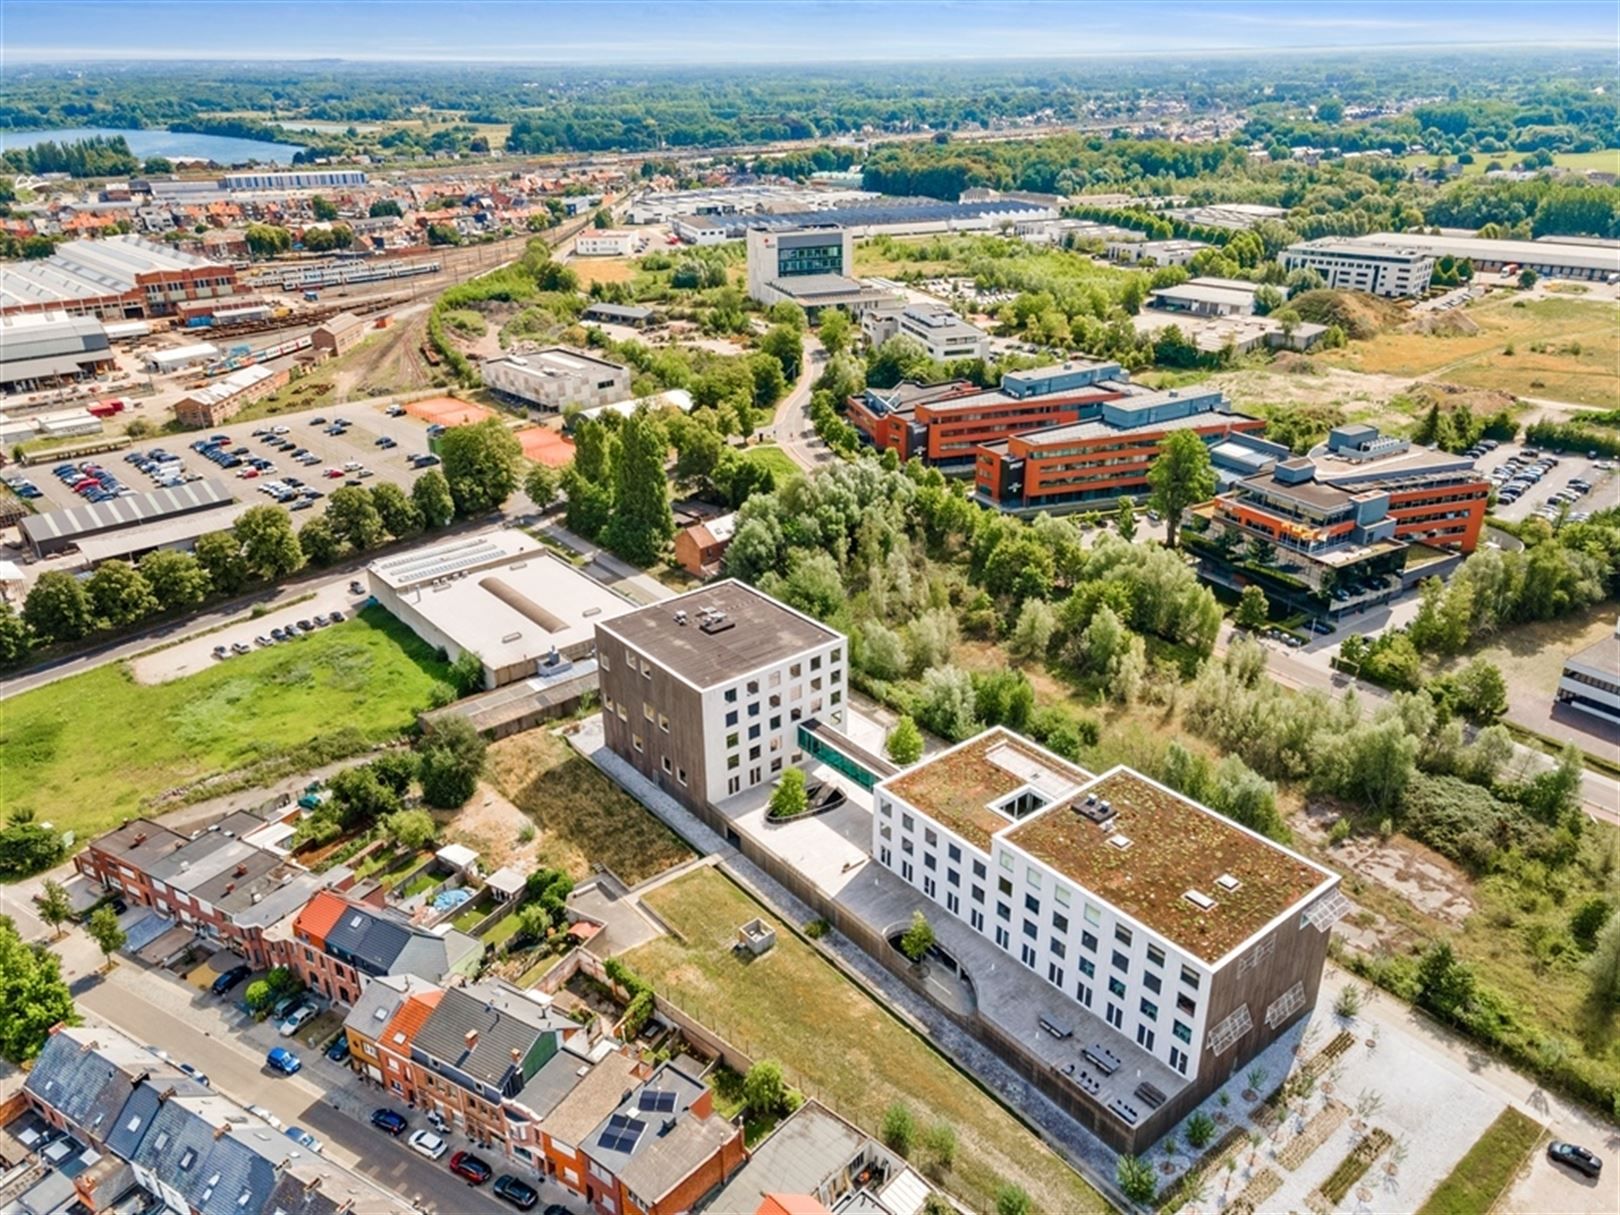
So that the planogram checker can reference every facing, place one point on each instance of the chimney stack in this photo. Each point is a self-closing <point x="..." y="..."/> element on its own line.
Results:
<point x="471" y="1038"/>
<point x="517" y="1055"/>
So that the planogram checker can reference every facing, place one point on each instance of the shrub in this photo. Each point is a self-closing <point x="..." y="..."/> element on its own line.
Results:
<point x="1200" y="1129"/>
<point x="1012" y="1200"/>
<point x="939" y="1142"/>
<point x="1135" y="1178"/>
<point x="1349" y="1002"/>
<point x="899" y="1128"/>
<point x="765" y="1089"/>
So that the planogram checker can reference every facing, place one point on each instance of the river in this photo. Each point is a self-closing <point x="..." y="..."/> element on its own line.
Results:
<point x="221" y="149"/>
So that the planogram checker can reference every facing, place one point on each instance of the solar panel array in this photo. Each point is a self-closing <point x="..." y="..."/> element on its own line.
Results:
<point x="621" y="1133"/>
<point x="658" y="1100"/>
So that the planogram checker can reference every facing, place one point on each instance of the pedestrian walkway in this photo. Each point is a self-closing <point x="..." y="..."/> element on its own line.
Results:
<point x="1086" y="1154"/>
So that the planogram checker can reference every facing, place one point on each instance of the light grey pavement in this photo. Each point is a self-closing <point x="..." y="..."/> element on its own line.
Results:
<point x="609" y="570"/>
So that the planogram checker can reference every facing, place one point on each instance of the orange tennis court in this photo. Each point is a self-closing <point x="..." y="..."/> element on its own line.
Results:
<point x="448" y="411"/>
<point x="545" y="446"/>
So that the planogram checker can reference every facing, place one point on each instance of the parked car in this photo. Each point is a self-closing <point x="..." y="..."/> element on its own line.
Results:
<point x="196" y="1075"/>
<point x="283" y="1060"/>
<point x="338" y="1052"/>
<point x="390" y="1121"/>
<point x="1576" y="1157"/>
<point x="297" y="1019"/>
<point x="300" y="1136"/>
<point x="231" y="978"/>
<point x="336" y="616"/>
<point x="470" y="1167"/>
<point x="428" y="1144"/>
<point x="519" y="1193"/>
<point x="241" y="647"/>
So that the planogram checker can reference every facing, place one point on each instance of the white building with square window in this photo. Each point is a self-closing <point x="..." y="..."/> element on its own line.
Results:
<point x="705" y="693"/>
<point x="1191" y="937"/>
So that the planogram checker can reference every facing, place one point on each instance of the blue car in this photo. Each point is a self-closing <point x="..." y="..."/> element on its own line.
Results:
<point x="283" y="1060"/>
<point x="388" y="1120"/>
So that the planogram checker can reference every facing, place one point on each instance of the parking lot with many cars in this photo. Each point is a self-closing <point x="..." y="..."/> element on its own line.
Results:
<point x="1531" y="483"/>
<point x="293" y="458"/>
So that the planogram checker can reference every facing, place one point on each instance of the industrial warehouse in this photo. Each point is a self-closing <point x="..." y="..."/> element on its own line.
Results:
<point x="122" y="277"/>
<point x="500" y="596"/>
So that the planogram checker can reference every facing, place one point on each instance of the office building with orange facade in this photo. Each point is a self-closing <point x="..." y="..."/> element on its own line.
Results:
<point x="1093" y="462"/>
<point x="1334" y="532"/>
<point x="943" y="424"/>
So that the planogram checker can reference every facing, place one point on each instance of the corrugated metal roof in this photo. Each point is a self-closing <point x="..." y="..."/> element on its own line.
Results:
<point x="124" y="512"/>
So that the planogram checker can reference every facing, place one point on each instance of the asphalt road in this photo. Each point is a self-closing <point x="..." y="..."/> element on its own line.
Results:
<point x="792" y="429"/>
<point x="241" y="1075"/>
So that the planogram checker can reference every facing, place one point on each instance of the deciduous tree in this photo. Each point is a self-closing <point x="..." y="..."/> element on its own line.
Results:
<point x="642" y="523"/>
<point x="55" y="908"/>
<point x="401" y="516"/>
<point x="177" y="579"/>
<point x="905" y="742"/>
<point x="451" y="761"/>
<point x="32" y="993"/>
<point x="480" y="465"/>
<point x="269" y="547"/>
<point x="58" y="608"/>
<point x="431" y="496"/>
<point x="220" y="556"/>
<point x="355" y="519"/>
<point x="1181" y="476"/>
<point x="105" y="932"/>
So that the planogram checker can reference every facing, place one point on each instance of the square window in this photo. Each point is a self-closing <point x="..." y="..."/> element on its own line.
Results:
<point x="1087" y="968"/>
<point x="953" y="877"/>
<point x="1121" y="962"/>
<point x="978" y="869"/>
<point x="635" y="740"/>
<point x="1117" y="987"/>
<point x="731" y="740"/>
<point x="1093" y="916"/>
<point x="1032" y="876"/>
<point x="1155" y="955"/>
<point x="753" y="731"/>
<point x="930" y="861"/>
<point x="955" y="853"/>
<point x="1150" y="1010"/>
<point x="668" y="767"/>
<point x="1058" y="948"/>
<point x="1122" y="934"/>
<point x="1031" y="930"/>
<point x="1152" y="982"/>
<point x="731" y="718"/>
<point x="1184" y="1032"/>
<point x="1061" y="894"/>
<point x="1189" y="976"/>
<point x="1032" y="904"/>
<point x="1088" y="941"/>
<point x="1004" y="912"/>
<point x="930" y="837"/>
<point x="1005" y="886"/>
<point x="731" y="696"/>
<point x="1060" y="921"/>
<point x="978" y="894"/>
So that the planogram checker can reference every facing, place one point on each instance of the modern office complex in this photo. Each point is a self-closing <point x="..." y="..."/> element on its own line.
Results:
<point x="704" y="693"/>
<point x="938" y="330"/>
<point x="1332" y="532"/>
<point x="946" y="423"/>
<point x="1186" y="943"/>
<point x="809" y="266"/>
<point x="1105" y="455"/>
<point x="556" y="378"/>
<point x="1352" y="265"/>
<point x="1591" y="679"/>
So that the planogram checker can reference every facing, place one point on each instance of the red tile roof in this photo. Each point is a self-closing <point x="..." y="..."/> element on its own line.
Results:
<point x="319" y="916"/>
<point x="410" y="1018"/>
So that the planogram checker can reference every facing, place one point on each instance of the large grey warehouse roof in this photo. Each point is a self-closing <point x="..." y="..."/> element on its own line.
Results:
<point x="59" y="525"/>
<point x="89" y="269"/>
<point x="756" y="632"/>
<point x="892" y="211"/>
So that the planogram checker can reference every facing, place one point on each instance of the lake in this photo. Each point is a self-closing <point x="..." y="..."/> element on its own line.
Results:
<point x="222" y="149"/>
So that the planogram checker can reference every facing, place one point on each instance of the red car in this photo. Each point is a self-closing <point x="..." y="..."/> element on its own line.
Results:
<point x="468" y="1166"/>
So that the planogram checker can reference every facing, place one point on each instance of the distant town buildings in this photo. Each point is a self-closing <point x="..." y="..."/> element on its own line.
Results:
<point x="340" y="334"/>
<point x="605" y="242"/>
<point x="303" y="179"/>
<point x="557" y="377"/>
<point x="944" y="335"/>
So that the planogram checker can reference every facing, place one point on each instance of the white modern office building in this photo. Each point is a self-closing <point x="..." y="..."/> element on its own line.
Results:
<point x="1591" y="679"/>
<point x="557" y="377"/>
<point x="1189" y="935"/>
<point x="1352" y="265"/>
<point x="935" y="327"/>
<point x="704" y="693"/>
<point x="605" y="242"/>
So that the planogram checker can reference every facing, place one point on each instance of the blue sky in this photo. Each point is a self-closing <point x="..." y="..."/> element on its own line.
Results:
<point x="771" y="31"/>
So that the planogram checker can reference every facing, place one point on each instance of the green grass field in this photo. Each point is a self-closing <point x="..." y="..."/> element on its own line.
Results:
<point x="778" y="462"/>
<point x="87" y="752"/>
<point x="1480" y="1176"/>
<point x="1605" y="160"/>
<point x="582" y="819"/>
<point x="837" y="1044"/>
